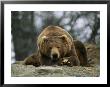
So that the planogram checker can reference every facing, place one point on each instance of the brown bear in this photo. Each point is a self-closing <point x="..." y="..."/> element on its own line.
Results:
<point x="57" y="47"/>
<point x="54" y="43"/>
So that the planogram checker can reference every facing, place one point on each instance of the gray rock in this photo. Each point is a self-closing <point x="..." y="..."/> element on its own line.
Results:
<point x="18" y="70"/>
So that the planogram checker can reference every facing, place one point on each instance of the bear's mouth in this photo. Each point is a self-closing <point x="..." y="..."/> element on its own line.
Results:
<point x="55" y="60"/>
<point x="55" y="56"/>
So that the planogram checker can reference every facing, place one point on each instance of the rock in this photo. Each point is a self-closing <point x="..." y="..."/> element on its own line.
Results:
<point x="93" y="54"/>
<point x="18" y="70"/>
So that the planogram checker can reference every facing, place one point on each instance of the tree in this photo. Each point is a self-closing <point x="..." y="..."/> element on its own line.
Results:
<point x="23" y="32"/>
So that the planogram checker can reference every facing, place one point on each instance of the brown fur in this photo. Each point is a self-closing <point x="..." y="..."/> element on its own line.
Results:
<point x="32" y="60"/>
<point x="54" y="37"/>
<point x="81" y="52"/>
<point x="55" y="40"/>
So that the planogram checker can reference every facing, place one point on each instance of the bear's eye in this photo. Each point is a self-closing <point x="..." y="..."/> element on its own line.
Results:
<point x="50" y="47"/>
<point x="58" y="47"/>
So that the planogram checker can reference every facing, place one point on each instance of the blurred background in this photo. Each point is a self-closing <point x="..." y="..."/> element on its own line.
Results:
<point x="27" y="25"/>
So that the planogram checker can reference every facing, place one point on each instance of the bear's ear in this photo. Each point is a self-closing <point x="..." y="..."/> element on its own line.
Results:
<point x="44" y="38"/>
<point x="64" y="37"/>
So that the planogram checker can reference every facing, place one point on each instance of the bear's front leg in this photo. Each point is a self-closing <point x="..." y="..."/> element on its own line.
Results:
<point x="32" y="60"/>
<point x="74" y="57"/>
<point x="72" y="61"/>
<point x="63" y="61"/>
<point x="69" y="61"/>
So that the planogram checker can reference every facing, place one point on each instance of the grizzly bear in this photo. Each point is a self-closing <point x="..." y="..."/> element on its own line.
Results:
<point x="54" y="46"/>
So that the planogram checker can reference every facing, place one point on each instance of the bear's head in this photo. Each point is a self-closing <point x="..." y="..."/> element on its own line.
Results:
<point x="54" y="47"/>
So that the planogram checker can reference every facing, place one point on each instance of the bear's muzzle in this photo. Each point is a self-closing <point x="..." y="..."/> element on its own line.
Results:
<point x="55" y="54"/>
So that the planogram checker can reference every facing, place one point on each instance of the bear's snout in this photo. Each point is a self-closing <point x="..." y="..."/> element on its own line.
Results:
<point x="55" y="54"/>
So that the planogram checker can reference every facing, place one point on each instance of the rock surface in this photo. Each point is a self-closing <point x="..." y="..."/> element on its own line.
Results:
<point x="54" y="71"/>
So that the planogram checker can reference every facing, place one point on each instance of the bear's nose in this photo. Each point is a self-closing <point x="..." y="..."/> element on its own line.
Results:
<point x="55" y="56"/>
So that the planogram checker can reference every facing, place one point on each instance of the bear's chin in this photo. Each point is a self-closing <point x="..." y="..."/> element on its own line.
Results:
<point x="55" y="60"/>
